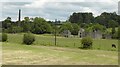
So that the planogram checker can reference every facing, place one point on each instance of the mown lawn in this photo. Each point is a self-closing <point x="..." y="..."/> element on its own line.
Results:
<point x="14" y="53"/>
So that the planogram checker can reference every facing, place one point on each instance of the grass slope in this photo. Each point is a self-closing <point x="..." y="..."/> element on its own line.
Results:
<point x="101" y="44"/>
<point x="14" y="53"/>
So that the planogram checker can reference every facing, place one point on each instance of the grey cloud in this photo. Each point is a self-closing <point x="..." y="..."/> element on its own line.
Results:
<point x="55" y="10"/>
<point x="16" y="3"/>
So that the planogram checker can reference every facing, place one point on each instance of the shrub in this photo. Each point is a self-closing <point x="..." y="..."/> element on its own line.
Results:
<point x="4" y="37"/>
<point x="118" y="33"/>
<point x="28" y="38"/>
<point x="87" y="42"/>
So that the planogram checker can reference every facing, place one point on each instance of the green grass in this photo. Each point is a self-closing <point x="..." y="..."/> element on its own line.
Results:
<point x="14" y="53"/>
<point x="66" y="52"/>
<point x="47" y="40"/>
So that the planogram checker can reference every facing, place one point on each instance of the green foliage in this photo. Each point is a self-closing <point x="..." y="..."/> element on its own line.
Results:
<point x="115" y="36"/>
<point x="87" y="42"/>
<point x="94" y="26"/>
<point x="86" y="20"/>
<point x="113" y="33"/>
<point x="98" y="27"/>
<point x="26" y="24"/>
<point x="4" y="37"/>
<point x="41" y="26"/>
<point x="26" y="19"/>
<point x="113" y="30"/>
<point x="15" y="29"/>
<point x="35" y="25"/>
<point x="75" y="29"/>
<point x="72" y="27"/>
<point x="118" y="19"/>
<point x="81" y="18"/>
<point x="107" y="19"/>
<point x="119" y="32"/>
<point x="7" y="23"/>
<point x="112" y="23"/>
<point x="66" y="26"/>
<point x="28" y="38"/>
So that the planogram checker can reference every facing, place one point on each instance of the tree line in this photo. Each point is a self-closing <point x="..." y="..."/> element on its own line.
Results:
<point x="106" y="19"/>
<point x="35" y="25"/>
<point x="76" y="21"/>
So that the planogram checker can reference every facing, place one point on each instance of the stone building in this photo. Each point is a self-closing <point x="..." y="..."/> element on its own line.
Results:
<point x="66" y="33"/>
<point x="81" y="33"/>
<point x="94" y="34"/>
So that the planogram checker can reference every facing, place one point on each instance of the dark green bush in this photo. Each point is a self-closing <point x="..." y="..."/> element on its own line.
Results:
<point x="118" y="33"/>
<point x="28" y="38"/>
<point x="4" y="37"/>
<point x="87" y="42"/>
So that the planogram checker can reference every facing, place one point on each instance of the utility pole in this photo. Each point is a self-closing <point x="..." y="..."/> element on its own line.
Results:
<point x="55" y="32"/>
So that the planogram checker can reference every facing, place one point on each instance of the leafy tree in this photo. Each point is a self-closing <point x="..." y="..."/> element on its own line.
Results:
<point x="107" y="19"/>
<point x="75" y="29"/>
<point x="113" y="30"/>
<point x="98" y="27"/>
<point x="66" y="26"/>
<point x="94" y="26"/>
<point x="118" y="19"/>
<point x="7" y="23"/>
<point x="81" y="18"/>
<point x="26" y="24"/>
<point x="41" y="26"/>
<point x="112" y="23"/>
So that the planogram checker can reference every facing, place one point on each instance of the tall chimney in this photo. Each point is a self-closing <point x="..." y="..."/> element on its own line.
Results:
<point x="19" y="18"/>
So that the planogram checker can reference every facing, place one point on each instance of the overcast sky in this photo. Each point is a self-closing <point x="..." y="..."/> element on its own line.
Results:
<point x="55" y="9"/>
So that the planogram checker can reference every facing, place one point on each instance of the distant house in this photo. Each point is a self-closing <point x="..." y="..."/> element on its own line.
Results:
<point x="94" y="34"/>
<point x="81" y="33"/>
<point x="66" y="33"/>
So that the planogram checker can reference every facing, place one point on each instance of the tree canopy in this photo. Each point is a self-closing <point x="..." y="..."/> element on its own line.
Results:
<point x="87" y="21"/>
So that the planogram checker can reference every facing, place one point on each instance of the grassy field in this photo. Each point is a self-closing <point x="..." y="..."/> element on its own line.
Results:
<point x="23" y="54"/>
<point x="66" y="52"/>
<point x="46" y="40"/>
